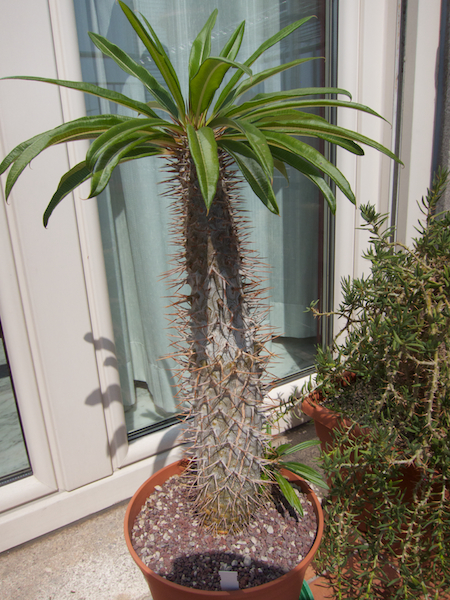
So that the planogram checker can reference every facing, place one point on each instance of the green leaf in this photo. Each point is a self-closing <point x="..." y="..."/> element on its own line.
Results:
<point x="142" y="151"/>
<point x="16" y="152"/>
<point x="308" y="473"/>
<point x="107" y="162"/>
<point x="307" y="169"/>
<point x="80" y="173"/>
<point x="272" y="107"/>
<point x="263" y="75"/>
<point x="153" y="38"/>
<point x="206" y="82"/>
<point x="201" y="46"/>
<point x="280" y="113"/>
<point x="110" y="147"/>
<point x="348" y="145"/>
<point x="232" y="47"/>
<point x="257" y="142"/>
<point x="131" y="129"/>
<point x="288" y="492"/>
<point x="160" y="48"/>
<point x="69" y="181"/>
<point x="158" y="54"/>
<point x="130" y="66"/>
<point x="302" y="446"/>
<point x="281" y="449"/>
<point x="252" y="171"/>
<point x="274" y="97"/>
<point x="167" y="65"/>
<point x="281" y="167"/>
<point x="313" y="156"/>
<point x="95" y="90"/>
<point x="83" y="128"/>
<point x="203" y="147"/>
<point x="325" y="189"/>
<point x="280" y="35"/>
<point x="307" y="125"/>
<point x="306" y="593"/>
<point x="277" y="37"/>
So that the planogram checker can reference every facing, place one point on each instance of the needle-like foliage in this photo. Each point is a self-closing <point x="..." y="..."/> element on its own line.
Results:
<point x="388" y="525"/>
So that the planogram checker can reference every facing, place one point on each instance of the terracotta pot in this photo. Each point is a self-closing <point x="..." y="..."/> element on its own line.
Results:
<point x="287" y="587"/>
<point x="327" y="422"/>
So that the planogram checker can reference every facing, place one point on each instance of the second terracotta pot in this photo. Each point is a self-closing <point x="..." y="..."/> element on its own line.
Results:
<point x="327" y="422"/>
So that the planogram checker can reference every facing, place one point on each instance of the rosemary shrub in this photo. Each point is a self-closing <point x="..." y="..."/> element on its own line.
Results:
<point x="386" y="538"/>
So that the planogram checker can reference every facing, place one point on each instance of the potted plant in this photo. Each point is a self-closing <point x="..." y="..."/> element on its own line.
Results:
<point x="203" y="139"/>
<point x="383" y="403"/>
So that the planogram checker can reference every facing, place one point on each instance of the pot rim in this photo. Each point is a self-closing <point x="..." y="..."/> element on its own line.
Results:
<point x="311" y="496"/>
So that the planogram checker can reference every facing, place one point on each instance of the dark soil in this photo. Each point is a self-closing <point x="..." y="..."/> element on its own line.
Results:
<point x="170" y="540"/>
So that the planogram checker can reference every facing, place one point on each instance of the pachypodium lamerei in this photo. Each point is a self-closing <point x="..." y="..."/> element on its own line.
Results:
<point x="203" y="145"/>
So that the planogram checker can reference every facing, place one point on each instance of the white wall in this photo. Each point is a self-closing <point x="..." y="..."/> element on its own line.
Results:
<point x="47" y="262"/>
<point x="420" y="85"/>
<point x="368" y="67"/>
<point x="54" y="304"/>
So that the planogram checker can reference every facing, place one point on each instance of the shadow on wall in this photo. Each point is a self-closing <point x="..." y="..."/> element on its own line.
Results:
<point x="119" y="438"/>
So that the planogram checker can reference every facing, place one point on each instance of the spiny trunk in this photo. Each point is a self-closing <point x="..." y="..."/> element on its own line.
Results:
<point x="223" y="356"/>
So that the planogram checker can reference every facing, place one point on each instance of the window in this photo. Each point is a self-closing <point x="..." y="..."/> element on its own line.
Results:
<point x="14" y="462"/>
<point x="134" y="211"/>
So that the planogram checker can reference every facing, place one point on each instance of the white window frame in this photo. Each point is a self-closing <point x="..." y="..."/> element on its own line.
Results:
<point x="43" y="481"/>
<point x="368" y="67"/>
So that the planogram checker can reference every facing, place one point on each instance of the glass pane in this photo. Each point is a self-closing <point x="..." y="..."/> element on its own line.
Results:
<point x="134" y="210"/>
<point x="14" y="463"/>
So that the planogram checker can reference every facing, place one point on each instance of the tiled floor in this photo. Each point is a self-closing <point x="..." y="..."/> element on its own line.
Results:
<point x="318" y="586"/>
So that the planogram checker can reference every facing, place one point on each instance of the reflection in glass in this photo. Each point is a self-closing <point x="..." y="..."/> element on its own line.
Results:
<point x="14" y="463"/>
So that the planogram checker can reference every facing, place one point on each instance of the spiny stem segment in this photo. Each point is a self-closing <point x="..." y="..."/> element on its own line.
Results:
<point x="220" y="351"/>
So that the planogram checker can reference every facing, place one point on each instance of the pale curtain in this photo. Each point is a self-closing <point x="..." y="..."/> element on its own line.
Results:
<point x="133" y="210"/>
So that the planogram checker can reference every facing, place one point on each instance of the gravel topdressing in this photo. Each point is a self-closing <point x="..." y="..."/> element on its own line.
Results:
<point x="170" y="541"/>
